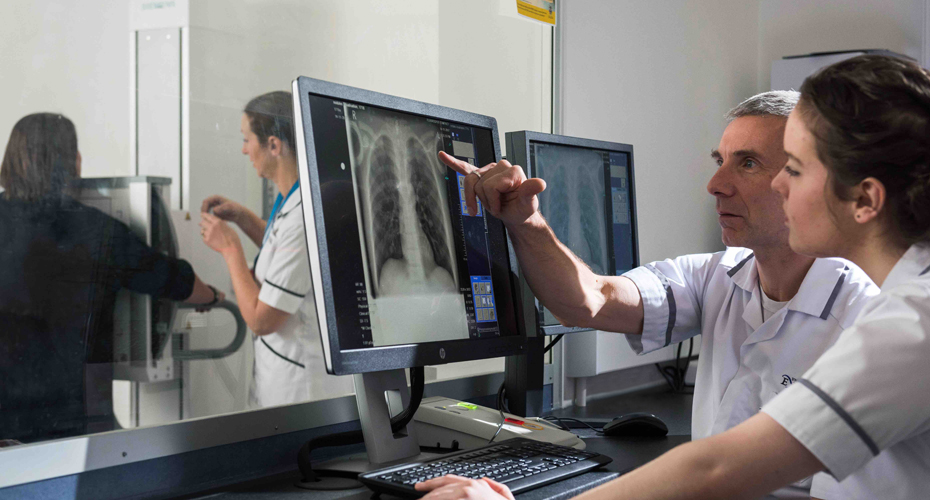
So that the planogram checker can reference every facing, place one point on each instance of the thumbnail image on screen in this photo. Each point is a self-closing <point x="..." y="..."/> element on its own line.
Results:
<point x="407" y="265"/>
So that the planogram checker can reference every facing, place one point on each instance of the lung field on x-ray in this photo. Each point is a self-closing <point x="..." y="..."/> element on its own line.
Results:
<point x="406" y="221"/>
<point x="573" y="201"/>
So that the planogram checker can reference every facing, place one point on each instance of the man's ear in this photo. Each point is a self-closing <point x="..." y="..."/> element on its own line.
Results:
<point x="870" y="196"/>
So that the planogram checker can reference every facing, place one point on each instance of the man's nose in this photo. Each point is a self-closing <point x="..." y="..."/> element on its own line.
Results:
<point x="719" y="184"/>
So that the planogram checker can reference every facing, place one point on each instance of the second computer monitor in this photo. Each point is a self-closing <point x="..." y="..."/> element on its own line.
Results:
<point x="589" y="201"/>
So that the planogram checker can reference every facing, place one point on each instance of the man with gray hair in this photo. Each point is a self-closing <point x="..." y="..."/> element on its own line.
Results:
<point x="765" y="312"/>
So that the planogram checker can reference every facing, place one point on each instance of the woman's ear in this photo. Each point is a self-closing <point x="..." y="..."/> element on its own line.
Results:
<point x="274" y="146"/>
<point x="870" y="196"/>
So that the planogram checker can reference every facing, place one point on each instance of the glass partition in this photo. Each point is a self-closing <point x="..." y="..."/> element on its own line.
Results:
<point x="101" y="229"/>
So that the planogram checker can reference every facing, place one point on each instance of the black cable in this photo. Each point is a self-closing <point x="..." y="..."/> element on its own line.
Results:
<point x="398" y="422"/>
<point x="685" y="373"/>
<point x="675" y="375"/>
<point x="683" y="370"/>
<point x="502" y="390"/>
<point x="500" y="408"/>
<point x="553" y="343"/>
<point x="669" y="377"/>
<point x="570" y="419"/>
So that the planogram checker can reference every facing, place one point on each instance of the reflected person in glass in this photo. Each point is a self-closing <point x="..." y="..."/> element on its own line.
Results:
<point x="276" y="296"/>
<point x="63" y="264"/>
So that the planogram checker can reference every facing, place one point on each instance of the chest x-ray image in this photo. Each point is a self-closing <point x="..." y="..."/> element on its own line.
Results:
<point x="573" y="201"/>
<point x="406" y="227"/>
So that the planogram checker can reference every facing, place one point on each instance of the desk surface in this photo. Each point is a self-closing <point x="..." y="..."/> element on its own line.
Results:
<point x="628" y="453"/>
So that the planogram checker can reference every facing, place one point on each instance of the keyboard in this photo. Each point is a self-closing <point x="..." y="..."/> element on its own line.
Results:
<point x="522" y="464"/>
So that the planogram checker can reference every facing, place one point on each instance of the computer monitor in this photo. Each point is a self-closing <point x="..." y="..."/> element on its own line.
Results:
<point x="403" y="276"/>
<point x="589" y="201"/>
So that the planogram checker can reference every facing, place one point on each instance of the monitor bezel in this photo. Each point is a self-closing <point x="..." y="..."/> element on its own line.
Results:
<point x="382" y="358"/>
<point x="518" y="152"/>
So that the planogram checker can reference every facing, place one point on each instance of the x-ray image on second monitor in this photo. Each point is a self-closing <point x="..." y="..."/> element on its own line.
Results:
<point x="574" y="199"/>
<point x="410" y="268"/>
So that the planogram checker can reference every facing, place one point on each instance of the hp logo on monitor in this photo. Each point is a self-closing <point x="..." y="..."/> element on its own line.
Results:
<point x="442" y="353"/>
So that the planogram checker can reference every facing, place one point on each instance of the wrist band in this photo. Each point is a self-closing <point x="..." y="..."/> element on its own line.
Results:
<point x="216" y="296"/>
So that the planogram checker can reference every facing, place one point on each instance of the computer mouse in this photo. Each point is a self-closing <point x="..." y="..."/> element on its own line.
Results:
<point x="636" y="425"/>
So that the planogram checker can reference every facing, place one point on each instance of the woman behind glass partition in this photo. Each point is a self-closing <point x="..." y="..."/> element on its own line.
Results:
<point x="276" y="297"/>
<point x="63" y="263"/>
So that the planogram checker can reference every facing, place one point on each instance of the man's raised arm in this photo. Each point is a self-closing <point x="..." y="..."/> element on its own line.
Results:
<point x="558" y="278"/>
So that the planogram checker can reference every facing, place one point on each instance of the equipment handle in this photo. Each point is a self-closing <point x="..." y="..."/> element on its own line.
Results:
<point x="222" y="352"/>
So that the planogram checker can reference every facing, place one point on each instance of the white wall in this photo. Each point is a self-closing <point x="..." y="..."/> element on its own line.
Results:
<point x="69" y="57"/>
<point x="660" y="74"/>
<point x="495" y="65"/>
<point x="794" y="27"/>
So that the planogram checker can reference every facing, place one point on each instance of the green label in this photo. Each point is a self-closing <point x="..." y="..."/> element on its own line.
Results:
<point x="468" y="406"/>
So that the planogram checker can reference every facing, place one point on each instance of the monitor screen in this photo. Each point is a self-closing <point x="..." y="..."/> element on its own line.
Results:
<point x="405" y="263"/>
<point x="588" y="201"/>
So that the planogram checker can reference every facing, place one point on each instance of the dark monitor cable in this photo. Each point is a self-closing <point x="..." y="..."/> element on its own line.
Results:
<point x="553" y="343"/>
<point x="675" y="375"/>
<point x="502" y="391"/>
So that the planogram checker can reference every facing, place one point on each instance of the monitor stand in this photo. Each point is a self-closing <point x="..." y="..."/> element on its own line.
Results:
<point x="379" y="396"/>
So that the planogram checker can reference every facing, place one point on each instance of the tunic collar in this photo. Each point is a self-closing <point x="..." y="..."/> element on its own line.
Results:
<point x="915" y="262"/>
<point x="292" y="201"/>
<point x="817" y="293"/>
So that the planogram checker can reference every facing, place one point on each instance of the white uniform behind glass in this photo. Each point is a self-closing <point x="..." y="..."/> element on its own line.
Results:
<point x="289" y="366"/>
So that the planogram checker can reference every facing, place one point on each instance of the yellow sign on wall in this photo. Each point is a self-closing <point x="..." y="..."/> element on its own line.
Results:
<point x="538" y="10"/>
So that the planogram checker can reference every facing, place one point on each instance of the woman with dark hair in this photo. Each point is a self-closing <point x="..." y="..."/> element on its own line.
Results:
<point x="63" y="263"/>
<point x="276" y="297"/>
<point x="856" y="185"/>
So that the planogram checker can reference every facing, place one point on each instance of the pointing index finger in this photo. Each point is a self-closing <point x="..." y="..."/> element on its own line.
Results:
<point x="456" y="164"/>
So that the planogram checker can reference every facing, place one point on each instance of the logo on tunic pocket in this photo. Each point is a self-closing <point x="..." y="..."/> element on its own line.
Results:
<point x="787" y="380"/>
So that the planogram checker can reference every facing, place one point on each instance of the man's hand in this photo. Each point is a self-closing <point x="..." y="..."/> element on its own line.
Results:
<point x="503" y="189"/>
<point x="223" y="208"/>
<point x="217" y="234"/>
<point x="453" y="487"/>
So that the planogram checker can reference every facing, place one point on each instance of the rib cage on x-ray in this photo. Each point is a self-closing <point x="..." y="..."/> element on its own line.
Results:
<point x="575" y="193"/>
<point x="402" y="191"/>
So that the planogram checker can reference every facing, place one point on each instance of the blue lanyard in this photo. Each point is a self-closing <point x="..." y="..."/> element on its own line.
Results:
<point x="278" y="203"/>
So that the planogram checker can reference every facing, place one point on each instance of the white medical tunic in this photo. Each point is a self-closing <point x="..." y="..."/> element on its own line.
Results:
<point x="289" y="366"/>
<point x="745" y="362"/>
<point x="863" y="409"/>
